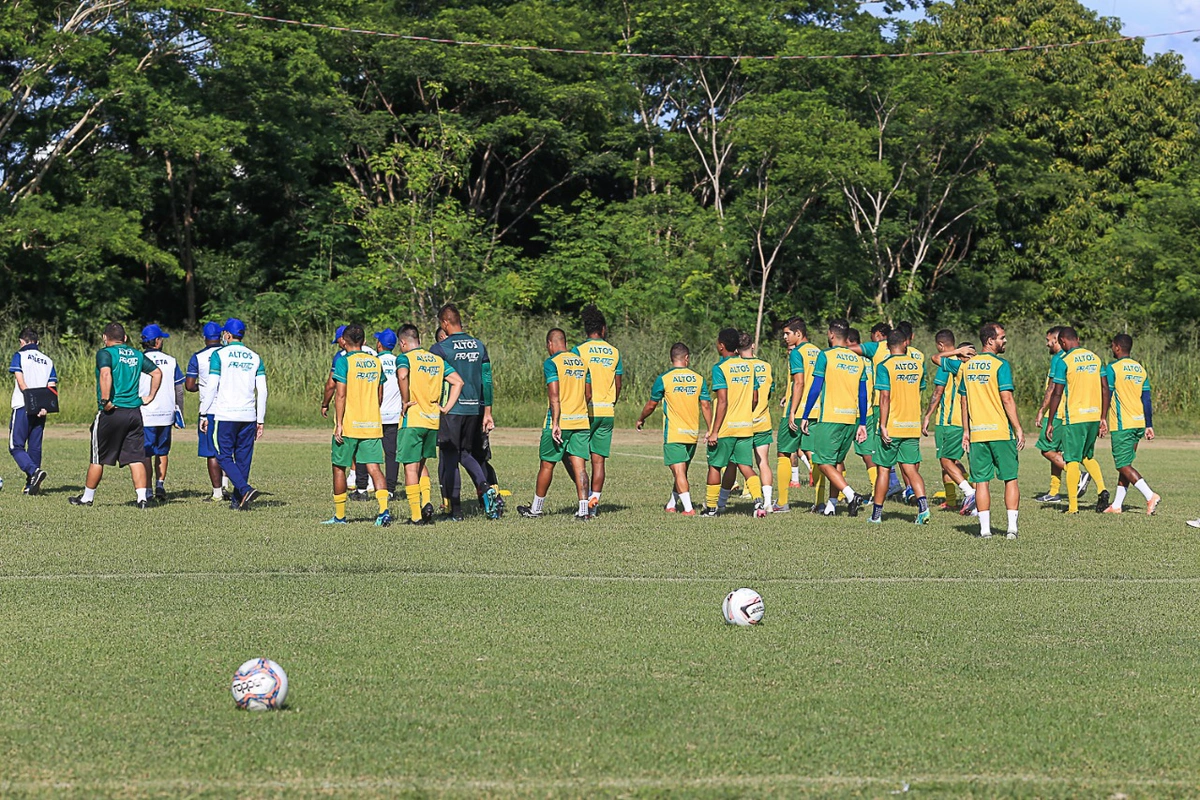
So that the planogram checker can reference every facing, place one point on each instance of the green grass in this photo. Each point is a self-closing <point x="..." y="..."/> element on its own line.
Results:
<point x="547" y="658"/>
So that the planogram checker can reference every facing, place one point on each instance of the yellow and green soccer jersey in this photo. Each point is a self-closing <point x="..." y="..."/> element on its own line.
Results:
<point x="363" y="375"/>
<point x="902" y="378"/>
<point x="680" y="391"/>
<point x="845" y="374"/>
<point x="1054" y="359"/>
<point x="949" y="409"/>
<point x="736" y="376"/>
<point x="426" y="372"/>
<point x="1079" y="373"/>
<point x="764" y="383"/>
<point x="878" y="353"/>
<point x="872" y="392"/>
<point x="603" y="365"/>
<point x="1127" y="380"/>
<point x="802" y="358"/>
<point x="984" y="377"/>
<point x="569" y="371"/>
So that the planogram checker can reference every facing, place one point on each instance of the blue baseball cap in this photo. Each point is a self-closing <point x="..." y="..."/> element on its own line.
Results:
<point x="152" y="332"/>
<point x="212" y="330"/>
<point x="387" y="338"/>
<point x="341" y="329"/>
<point x="235" y="327"/>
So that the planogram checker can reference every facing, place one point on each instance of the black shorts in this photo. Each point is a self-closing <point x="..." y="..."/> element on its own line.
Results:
<point x="117" y="437"/>
<point x="461" y="432"/>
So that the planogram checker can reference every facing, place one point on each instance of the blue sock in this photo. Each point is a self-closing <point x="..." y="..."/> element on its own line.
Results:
<point x="922" y="504"/>
<point x="876" y="511"/>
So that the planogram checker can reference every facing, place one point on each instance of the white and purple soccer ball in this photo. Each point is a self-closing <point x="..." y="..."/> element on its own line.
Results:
<point x="260" y="685"/>
<point x="742" y="607"/>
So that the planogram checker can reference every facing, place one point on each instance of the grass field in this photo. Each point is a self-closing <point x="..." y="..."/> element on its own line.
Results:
<point x="546" y="658"/>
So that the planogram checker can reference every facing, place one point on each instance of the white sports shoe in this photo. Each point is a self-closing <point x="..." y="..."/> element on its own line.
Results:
<point x="1011" y="535"/>
<point x="1193" y="523"/>
<point x="1084" y="480"/>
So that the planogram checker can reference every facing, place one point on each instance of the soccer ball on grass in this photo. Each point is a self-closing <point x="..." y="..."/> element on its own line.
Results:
<point x="260" y="685"/>
<point x="742" y="607"/>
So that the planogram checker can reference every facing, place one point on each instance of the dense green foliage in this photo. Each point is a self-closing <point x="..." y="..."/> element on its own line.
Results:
<point x="158" y="161"/>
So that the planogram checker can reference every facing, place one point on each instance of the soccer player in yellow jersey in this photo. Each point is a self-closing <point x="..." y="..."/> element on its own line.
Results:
<point x="604" y="390"/>
<point x="420" y="375"/>
<point x="764" y="382"/>
<point x="868" y="449"/>
<point x="1126" y="408"/>
<point x="948" y="430"/>
<point x="899" y="381"/>
<point x="875" y="351"/>
<point x="731" y="438"/>
<point x="684" y="397"/>
<point x="567" y="432"/>
<point x="839" y="395"/>
<point x="991" y="430"/>
<point x="1050" y="443"/>
<point x="802" y="356"/>
<point x="358" y="426"/>
<point x="1076" y="379"/>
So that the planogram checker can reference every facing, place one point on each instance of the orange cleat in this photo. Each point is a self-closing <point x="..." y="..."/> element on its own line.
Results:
<point x="1113" y="510"/>
<point x="1152" y="506"/>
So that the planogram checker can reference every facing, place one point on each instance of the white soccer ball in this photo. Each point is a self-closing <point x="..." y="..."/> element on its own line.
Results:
<point x="260" y="685"/>
<point x="742" y="607"/>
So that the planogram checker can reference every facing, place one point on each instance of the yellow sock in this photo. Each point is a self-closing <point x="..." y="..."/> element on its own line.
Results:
<point x="951" y="492"/>
<point x="414" y="501"/>
<point x="872" y="473"/>
<point x="381" y="497"/>
<point x="754" y="486"/>
<point x="339" y="505"/>
<point x="1093" y="468"/>
<point x="822" y="486"/>
<point x="1055" y="484"/>
<point x="1072" y="481"/>
<point x="426" y="490"/>
<point x="784" y="468"/>
<point x="712" y="493"/>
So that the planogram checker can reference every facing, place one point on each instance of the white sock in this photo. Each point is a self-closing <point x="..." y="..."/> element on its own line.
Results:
<point x="218" y="494"/>
<point x="351" y="477"/>
<point x="985" y="522"/>
<point x="723" y="497"/>
<point x="89" y="495"/>
<point x="795" y="474"/>
<point x="686" y="499"/>
<point x="767" y="492"/>
<point x="141" y="494"/>
<point x="967" y="489"/>
<point x="674" y="500"/>
<point x="538" y="504"/>
<point x="1119" y="497"/>
<point x="848" y="493"/>
<point x="1144" y="488"/>
<point x="1012" y="521"/>
<point x="583" y="508"/>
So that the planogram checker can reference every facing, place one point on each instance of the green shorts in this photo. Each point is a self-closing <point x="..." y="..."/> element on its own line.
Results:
<point x="831" y="441"/>
<point x="414" y="444"/>
<point x="762" y="439"/>
<point x="574" y="443"/>
<point x="676" y="453"/>
<point x="1048" y="445"/>
<point x="357" y="451"/>
<point x="1124" y="445"/>
<point x="1079" y="441"/>
<point x="949" y="441"/>
<point x="870" y="446"/>
<point x="900" y="451"/>
<point x="731" y="450"/>
<point x="994" y="460"/>
<point x="788" y="442"/>
<point x="807" y="441"/>
<point x="601" y="436"/>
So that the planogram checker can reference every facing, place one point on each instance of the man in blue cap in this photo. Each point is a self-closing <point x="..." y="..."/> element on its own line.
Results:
<point x="391" y="407"/>
<point x="160" y="415"/>
<point x="196" y="380"/>
<point x="357" y="474"/>
<point x="238" y="405"/>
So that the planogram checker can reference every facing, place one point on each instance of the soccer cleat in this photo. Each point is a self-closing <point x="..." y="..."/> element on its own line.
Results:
<point x="79" y="501"/>
<point x="35" y="481"/>
<point x="427" y="513"/>
<point x="492" y="505"/>
<point x="1193" y="523"/>
<point x="1084" y="480"/>
<point x="828" y="511"/>
<point x="528" y="513"/>
<point x="923" y="517"/>
<point x="1048" y="498"/>
<point x="760" y="510"/>
<point x="361" y="495"/>
<point x="968" y="506"/>
<point x="745" y="495"/>
<point x="336" y="521"/>
<point x="895" y="487"/>
<point x="669" y="509"/>
<point x="593" y="507"/>
<point x="910" y="497"/>
<point x="244" y="503"/>
<point x="691" y="513"/>
<point x="1102" y="501"/>
<point x="778" y="509"/>
<point x="708" y="511"/>
<point x="1113" y="510"/>
<point x="142" y="505"/>
<point x="1011" y="535"/>
<point x="384" y="519"/>
<point x="985" y="534"/>
<point x="160" y="495"/>
<point x="874" y="521"/>
<point x="852" y="506"/>
<point x="794" y="485"/>
<point x="1152" y="505"/>
<point x="817" y="508"/>
<point x="943" y="506"/>
<point x="582" y="517"/>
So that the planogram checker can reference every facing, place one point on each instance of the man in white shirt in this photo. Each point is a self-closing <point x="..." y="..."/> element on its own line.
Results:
<point x="160" y="415"/>
<point x="363" y="487"/>
<point x="392" y="406"/>
<point x="31" y="369"/>
<point x="238" y="405"/>
<point x="196" y="380"/>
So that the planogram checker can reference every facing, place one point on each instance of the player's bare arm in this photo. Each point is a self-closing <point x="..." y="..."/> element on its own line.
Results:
<point x="555" y="411"/>
<point x="719" y="416"/>
<point x="885" y="409"/>
<point x="938" y="391"/>
<point x="1010" y="411"/>
<point x="1105" y="401"/>
<point x="106" y="387"/>
<point x="1056" y="394"/>
<point x="339" y="410"/>
<point x="966" y="421"/>
<point x="647" y="410"/>
<point x="797" y="393"/>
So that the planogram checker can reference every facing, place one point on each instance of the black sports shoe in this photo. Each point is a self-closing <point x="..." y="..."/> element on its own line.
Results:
<point x="528" y="513"/>
<point x="361" y="495"/>
<point x="35" y="481"/>
<point x="582" y="517"/>
<point x="817" y="508"/>
<point x="852" y="506"/>
<point x="79" y="501"/>
<point x="1102" y="502"/>
<point x="141" y="504"/>
<point x="160" y="494"/>
<point x="708" y="511"/>
<point x="250" y="494"/>
<point x="427" y="513"/>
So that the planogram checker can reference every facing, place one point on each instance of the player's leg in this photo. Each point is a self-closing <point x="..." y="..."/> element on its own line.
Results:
<point x="550" y="454"/>
<point x="391" y="468"/>
<point x="408" y="454"/>
<point x="339" y="484"/>
<point x="879" y="491"/>
<point x="37" y="429"/>
<point x="983" y="469"/>
<point x="600" y="439"/>
<point x="19" y="439"/>
<point x="225" y="437"/>
<point x="762" y="449"/>
<point x="912" y="473"/>
<point x="1051" y="450"/>
<point x="719" y="456"/>
<point x="785" y="459"/>
<point x="1124" y="447"/>
<point x="680" y="477"/>
<point x="833" y="442"/>
<point x="578" y="457"/>
<point x="101" y="453"/>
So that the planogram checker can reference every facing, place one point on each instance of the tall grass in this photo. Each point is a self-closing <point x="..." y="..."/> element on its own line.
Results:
<point x="298" y="364"/>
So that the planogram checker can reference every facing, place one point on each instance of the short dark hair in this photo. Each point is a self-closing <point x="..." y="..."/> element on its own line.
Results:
<point x="28" y="335"/>
<point x="729" y="338"/>
<point x="881" y="327"/>
<point x="796" y="325"/>
<point x="896" y="338"/>
<point x="679" y="350"/>
<point x="114" y="332"/>
<point x="409" y="331"/>
<point x="354" y="334"/>
<point x="556" y="335"/>
<point x="839" y="328"/>
<point x="1123" y="341"/>
<point x="745" y="341"/>
<point x="592" y="319"/>
<point x="1054" y="331"/>
<point x="440" y="334"/>
<point x="905" y="327"/>
<point x="1067" y="332"/>
<point x="989" y="331"/>
<point x="852" y="336"/>
<point x="944" y="336"/>
<point x="966" y="344"/>
<point x="449" y="315"/>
